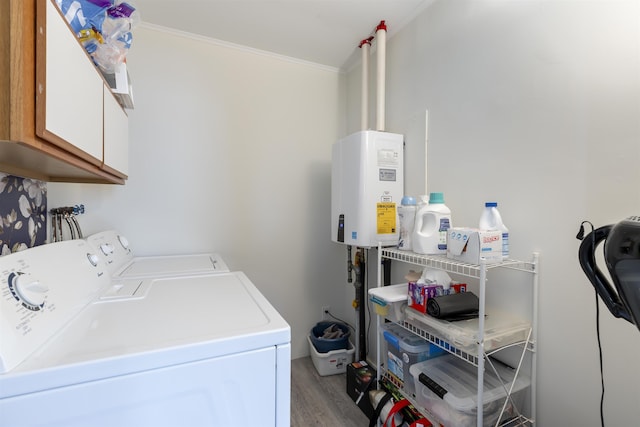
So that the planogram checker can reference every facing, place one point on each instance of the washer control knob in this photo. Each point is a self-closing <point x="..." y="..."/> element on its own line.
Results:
<point x="30" y="290"/>
<point x="124" y="242"/>
<point x="107" y="248"/>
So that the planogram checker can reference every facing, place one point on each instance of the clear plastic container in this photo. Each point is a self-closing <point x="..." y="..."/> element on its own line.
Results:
<point x="390" y="301"/>
<point x="403" y="350"/>
<point x="500" y="329"/>
<point x="447" y="387"/>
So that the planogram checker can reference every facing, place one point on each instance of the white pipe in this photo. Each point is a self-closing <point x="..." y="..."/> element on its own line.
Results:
<point x="426" y="150"/>
<point x="381" y="36"/>
<point x="364" y="119"/>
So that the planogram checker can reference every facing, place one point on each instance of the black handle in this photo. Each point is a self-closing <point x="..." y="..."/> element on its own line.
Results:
<point x="606" y="291"/>
<point x="432" y="385"/>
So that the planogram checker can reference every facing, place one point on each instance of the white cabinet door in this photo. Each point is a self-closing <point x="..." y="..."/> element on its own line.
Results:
<point x="73" y="90"/>
<point x="116" y="134"/>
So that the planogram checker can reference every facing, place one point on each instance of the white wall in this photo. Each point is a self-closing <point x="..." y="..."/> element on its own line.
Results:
<point x="535" y="105"/>
<point x="230" y="151"/>
<point x="538" y="101"/>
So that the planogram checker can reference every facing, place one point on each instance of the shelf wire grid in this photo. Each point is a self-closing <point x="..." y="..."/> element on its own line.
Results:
<point x="473" y="271"/>
<point x="441" y="262"/>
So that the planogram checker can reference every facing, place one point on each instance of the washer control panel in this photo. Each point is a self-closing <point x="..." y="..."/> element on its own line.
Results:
<point x="41" y="289"/>
<point x="30" y="291"/>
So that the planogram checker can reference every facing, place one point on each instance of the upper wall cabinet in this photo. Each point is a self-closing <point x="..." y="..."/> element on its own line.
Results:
<point x="69" y="95"/>
<point x="59" y="120"/>
<point x="116" y="135"/>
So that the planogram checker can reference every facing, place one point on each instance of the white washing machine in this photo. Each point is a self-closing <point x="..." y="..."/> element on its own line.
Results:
<point x="79" y="349"/>
<point x="116" y="251"/>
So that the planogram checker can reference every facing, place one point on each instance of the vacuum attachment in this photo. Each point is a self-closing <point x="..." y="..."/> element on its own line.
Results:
<point x="622" y="257"/>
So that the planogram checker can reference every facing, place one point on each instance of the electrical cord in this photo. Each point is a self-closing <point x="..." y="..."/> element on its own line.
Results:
<point x="601" y="364"/>
<point x="580" y="236"/>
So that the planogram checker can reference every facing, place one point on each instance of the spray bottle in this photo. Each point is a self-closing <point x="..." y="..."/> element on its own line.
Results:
<point x="407" y="217"/>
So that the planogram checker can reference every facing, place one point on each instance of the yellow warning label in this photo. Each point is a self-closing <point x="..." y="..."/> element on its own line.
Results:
<point x="386" y="223"/>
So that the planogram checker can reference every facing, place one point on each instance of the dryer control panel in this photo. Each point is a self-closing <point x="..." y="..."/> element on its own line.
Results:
<point x="113" y="248"/>
<point x="41" y="289"/>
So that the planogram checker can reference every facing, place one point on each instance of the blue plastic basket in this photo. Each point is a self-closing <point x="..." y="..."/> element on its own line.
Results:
<point x="324" y="345"/>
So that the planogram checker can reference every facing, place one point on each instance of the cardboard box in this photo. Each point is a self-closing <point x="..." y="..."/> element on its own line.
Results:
<point x="360" y="379"/>
<point x="471" y="244"/>
<point x="419" y="293"/>
<point x="455" y="288"/>
<point x="120" y="85"/>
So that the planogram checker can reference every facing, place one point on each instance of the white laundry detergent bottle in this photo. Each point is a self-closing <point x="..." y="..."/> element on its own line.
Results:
<point x="407" y="217"/>
<point x="433" y="220"/>
<point x="491" y="220"/>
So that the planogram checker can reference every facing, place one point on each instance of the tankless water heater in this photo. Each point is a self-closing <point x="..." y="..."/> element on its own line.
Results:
<point x="366" y="186"/>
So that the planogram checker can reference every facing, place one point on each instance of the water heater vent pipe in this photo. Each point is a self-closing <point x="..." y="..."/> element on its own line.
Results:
<point x="365" y="45"/>
<point x="381" y="40"/>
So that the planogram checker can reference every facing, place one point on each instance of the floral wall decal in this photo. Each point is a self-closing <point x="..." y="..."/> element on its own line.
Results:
<point x="23" y="213"/>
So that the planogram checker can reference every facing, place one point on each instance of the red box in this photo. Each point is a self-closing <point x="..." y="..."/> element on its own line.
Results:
<point x="456" y="288"/>
<point x="419" y="293"/>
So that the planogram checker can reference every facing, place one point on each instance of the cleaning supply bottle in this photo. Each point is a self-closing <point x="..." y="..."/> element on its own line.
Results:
<point x="433" y="220"/>
<point x="407" y="218"/>
<point x="491" y="220"/>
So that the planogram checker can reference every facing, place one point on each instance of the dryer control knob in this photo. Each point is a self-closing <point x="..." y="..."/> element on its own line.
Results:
<point x="107" y="248"/>
<point x="124" y="242"/>
<point x="93" y="259"/>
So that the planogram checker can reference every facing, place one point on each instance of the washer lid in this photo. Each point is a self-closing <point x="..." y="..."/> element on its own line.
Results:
<point x="168" y="321"/>
<point x="173" y="265"/>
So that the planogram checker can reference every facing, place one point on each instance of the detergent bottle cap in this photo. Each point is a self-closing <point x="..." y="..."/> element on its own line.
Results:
<point x="491" y="204"/>
<point x="408" y="201"/>
<point x="436" y="198"/>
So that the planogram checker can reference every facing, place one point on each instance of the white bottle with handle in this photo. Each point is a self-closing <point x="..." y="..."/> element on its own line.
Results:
<point x="433" y="220"/>
<point x="492" y="220"/>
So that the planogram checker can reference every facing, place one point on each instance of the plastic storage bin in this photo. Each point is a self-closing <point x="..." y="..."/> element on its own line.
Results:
<point x="390" y="301"/>
<point x="324" y="345"/>
<point x="332" y="362"/>
<point x="500" y="329"/>
<point x="447" y="387"/>
<point x="403" y="350"/>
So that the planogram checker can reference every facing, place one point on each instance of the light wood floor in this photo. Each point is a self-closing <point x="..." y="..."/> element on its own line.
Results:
<point x="321" y="401"/>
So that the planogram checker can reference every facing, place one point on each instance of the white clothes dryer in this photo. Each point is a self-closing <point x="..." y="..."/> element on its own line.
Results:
<point x="116" y="251"/>
<point x="79" y="349"/>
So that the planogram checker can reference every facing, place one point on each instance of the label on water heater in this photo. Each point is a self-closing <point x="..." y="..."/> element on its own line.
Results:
<point x="386" y="218"/>
<point x="388" y="157"/>
<point x="387" y="175"/>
